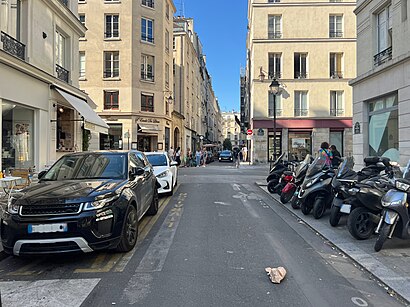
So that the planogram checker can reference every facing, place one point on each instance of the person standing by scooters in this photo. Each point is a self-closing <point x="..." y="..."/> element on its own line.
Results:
<point x="325" y="152"/>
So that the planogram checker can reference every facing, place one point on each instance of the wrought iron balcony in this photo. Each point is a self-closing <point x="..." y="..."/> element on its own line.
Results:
<point x="274" y="35"/>
<point x="111" y="74"/>
<point x="62" y="73"/>
<point x="147" y="76"/>
<point x="337" y="112"/>
<point x="300" y="74"/>
<point x="336" y="74"/>
<point x="275" y="75"/>
<point x="335" y="34"/>
<point x="301" y="112"/>
<point x="383" y="56"/>
<point x="147" y="38"/>
<point x="13" y="46"/>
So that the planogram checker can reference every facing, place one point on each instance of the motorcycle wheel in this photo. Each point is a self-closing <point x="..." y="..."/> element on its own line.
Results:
<point x="360" y="224"/>
<point x="271" y="186"/>
<point x="278" y="189"/>
<point x="295" y="202"/>
<point x="335" y="216"/>
<point x="305" y="208"/>
<point x="383" y="233"/>
<point x="286" y="197"/>
<point x="319" y="207"/>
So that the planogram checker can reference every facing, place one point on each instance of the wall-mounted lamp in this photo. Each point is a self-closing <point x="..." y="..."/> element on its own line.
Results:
<point x="168" y="97"/>
<point x="60" y="108"/>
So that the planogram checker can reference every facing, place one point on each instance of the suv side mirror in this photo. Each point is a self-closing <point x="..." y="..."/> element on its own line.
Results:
<point x="135" y="172"/>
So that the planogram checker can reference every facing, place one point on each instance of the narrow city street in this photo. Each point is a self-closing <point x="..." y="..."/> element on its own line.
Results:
<point x="208" y="245"/>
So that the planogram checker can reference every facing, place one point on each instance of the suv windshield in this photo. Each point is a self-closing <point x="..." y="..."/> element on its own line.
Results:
<point x="157" y="160"/>
<point x="88" y="166"/>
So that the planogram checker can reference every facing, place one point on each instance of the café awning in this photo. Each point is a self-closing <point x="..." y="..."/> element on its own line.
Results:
<point x="148" y="128"/>
<point x="92" y="120"/>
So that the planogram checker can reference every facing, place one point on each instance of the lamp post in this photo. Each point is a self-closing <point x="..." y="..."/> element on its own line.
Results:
<point x="274" y="89"/>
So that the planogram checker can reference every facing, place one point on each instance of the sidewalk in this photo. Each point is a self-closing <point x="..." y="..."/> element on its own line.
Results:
<point x="391" y="265"/>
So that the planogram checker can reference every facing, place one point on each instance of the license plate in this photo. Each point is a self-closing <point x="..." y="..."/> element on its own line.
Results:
<point x="47" y="228"/>
<point x="345" y="208"/>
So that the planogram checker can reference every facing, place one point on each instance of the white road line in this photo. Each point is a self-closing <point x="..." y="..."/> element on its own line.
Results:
<point x="46" y="293"/>
<point x="236" y="187"/>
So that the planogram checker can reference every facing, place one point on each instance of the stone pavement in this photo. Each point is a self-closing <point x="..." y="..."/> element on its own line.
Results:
<point x="391" y="265"/>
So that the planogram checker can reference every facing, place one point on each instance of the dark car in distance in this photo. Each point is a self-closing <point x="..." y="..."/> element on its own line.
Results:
<point x="85" y="202"/>
<point x="226" y="155"/>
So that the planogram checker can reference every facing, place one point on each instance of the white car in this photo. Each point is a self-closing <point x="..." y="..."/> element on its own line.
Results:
<point x="165" y="170"/>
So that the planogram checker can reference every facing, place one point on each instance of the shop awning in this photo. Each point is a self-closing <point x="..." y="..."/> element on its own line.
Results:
<point x="148" y="128"/>
<point x="91" y="118"/>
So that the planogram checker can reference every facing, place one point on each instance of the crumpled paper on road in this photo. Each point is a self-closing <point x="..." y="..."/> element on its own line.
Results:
<point x="276" y="275"/>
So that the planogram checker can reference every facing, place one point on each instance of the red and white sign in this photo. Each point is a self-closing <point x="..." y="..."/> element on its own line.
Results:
<point x="249" y="132"/>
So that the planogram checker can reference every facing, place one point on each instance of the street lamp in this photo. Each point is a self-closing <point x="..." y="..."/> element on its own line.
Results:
<point x="275" y="89"/>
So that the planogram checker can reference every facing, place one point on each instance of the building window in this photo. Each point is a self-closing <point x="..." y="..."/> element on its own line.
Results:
<point x="336" y="138"/>
<point x="111" y="64"/>
<point x="301" y="103"/>
<point x="274" y="26"/>
<point x="147" y="103"/>
<point x="335" y="26"/>
<point x="271" y="105"/>
<point x="82" y="64"/>
<point x="300" y="68"/>
<point x="149" y="3"/>
<point x="82" y="1"/>
<point x="112" y="26"/>
<point x="173" y="44"/>
<point x="271" y="146"/>
<point x="111" y="100"/>
<point x="273" y="1"/>
<point x="60" y="49"/>
<point x="166" y="75"/>
<point x="167" y="41"/>
<point x="147" y="67"/>
<point x="384" y="127"/>
<point x="336" y="103"/>
<point x="336" y="65"/>
<point x="299" y="144"/>
<point x="384" y="37"/>
<point x="147" y="30"/>
<point x="274" y="65"/>
<point x="81" y="17"/>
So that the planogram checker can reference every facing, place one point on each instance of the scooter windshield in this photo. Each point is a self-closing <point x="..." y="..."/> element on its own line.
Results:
<point x="277" y="161"/>
<point x="303" y="165"/>
<point x="406" y="173"/>
<point x="345" y="167"/>
<point x="317" y="166"/>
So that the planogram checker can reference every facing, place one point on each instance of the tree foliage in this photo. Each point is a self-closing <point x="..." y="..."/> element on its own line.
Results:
<point x="227" y="144"/>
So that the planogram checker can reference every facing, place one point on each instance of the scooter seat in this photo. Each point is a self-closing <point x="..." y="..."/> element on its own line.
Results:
<point x="288" y="173"/>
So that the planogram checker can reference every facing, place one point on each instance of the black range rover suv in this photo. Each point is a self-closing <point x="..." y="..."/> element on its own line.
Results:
<point x="86" y="201"/>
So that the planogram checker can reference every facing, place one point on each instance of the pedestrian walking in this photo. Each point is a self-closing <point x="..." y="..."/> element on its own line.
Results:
<point x="171" y="153"/>
<point x="326" y="153"/>
<point x="204" y="157"/>
<point x="178" y="155"/>
<point x="236" y="158"/>
<point x="336" y="157"/>
<point x="198" y="157"/>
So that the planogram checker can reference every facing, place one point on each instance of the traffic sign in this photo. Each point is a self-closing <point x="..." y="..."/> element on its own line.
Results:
<point x="249" y="132"/>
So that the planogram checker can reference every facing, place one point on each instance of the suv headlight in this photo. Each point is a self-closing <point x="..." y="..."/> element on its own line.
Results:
<point x="12" y="207"/>
<point x="163" y="174"/>
<point x="101" y="201"/>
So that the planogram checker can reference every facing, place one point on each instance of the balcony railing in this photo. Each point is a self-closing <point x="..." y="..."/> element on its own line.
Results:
<point x="278" y="112"/>
<point x="275" y="75"/>
<point x="113" y="34"/>
<point x="383" y="56"/>
<point x="111" y="106"/>
<point x="147" y="38"/>
<point x="301" y="112"/>
<point x="149" y="3"/>
<point x="274" y="35"/>
<point x="336" y="74"/>
<point x="300" y="75"/>
<point x="335" y="34"/>
<point x="111" y="74"/>
<point x="13" y="46"/>
<point x="147" y="76"/>
<point x="337" y="112"/>
<point x="62" y="73"/>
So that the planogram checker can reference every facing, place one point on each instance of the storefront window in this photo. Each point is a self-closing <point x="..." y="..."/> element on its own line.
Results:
<point x="17" y="137"/>
<point x="300" y="144"/>
<point x="115" y="136"/>
<point x="384" y="128"/>
<point x="65" y="129"/>
<point x="271" y="155"/>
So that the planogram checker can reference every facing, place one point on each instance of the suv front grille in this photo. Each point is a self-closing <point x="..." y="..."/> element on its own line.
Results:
<point x="50" y="209"/>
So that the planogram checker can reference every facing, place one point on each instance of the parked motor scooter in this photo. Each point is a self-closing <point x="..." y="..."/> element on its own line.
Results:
<point x="346" y="178"/>
<point x="289" y="191"/>
<point x="316" y="193"/>
<point x="276" y="171"/>
<point x="395" y="217"/>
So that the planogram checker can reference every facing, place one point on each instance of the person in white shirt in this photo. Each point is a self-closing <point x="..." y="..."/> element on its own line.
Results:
<point x="244" y="153"/>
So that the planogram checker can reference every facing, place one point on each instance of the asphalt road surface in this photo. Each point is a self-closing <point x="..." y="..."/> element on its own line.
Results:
<point x="208" y="246"/>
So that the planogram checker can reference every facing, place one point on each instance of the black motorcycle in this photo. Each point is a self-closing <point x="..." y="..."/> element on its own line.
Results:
<point x="316" y="192"/>
<point x="275" y="173"/>
<point x="395" y="217"/>
<point x="345" y="180"/>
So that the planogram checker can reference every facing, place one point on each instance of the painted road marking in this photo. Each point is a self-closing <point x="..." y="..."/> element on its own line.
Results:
<point x="154" y="258"/>
<point x="46" y="293"/>
<point x="236" y="187"/>
<point x="243" y="197"/>
<point x="221" y="203"/>
<point x="27" y="269"/>
<point x="359" y="302"/>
